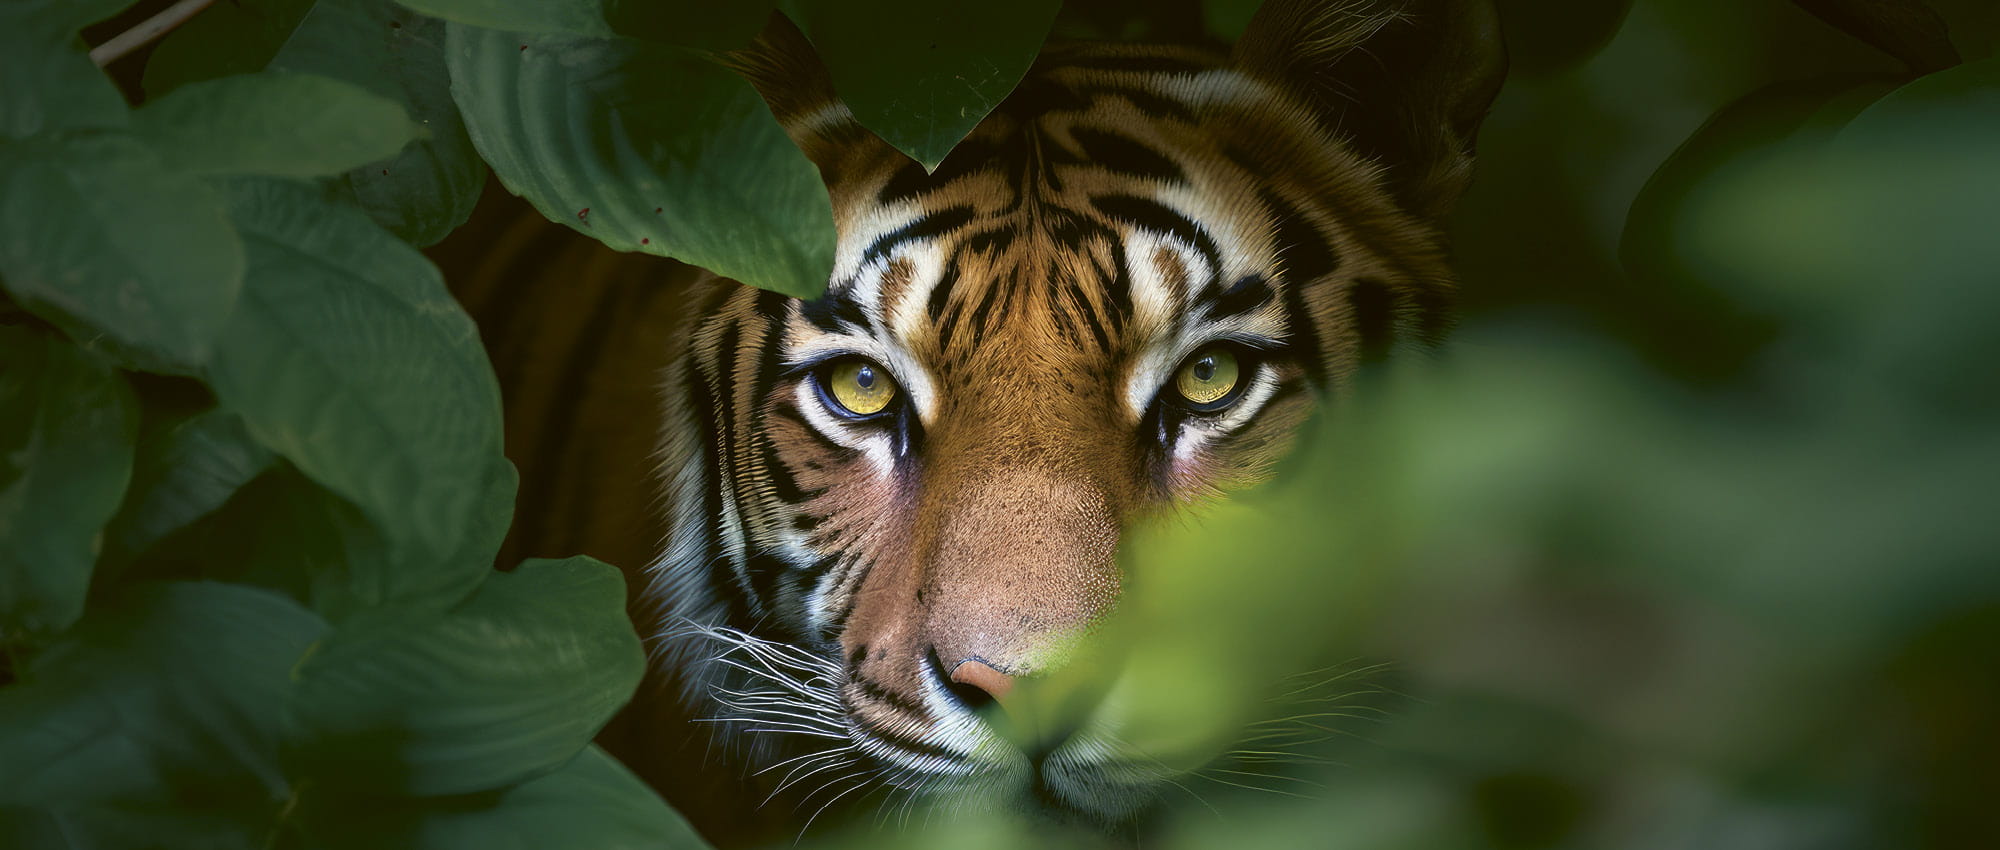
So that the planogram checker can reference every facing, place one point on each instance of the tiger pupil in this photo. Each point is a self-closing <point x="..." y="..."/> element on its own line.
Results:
<point x="865" y="378"/>
<point x="1204" y="369"/>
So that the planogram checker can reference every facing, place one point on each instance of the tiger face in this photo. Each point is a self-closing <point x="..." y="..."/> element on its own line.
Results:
<point x="1121" y="294"/>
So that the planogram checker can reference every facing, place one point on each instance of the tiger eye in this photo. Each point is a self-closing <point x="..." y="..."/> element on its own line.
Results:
<point x="863" y="388"/>
<point x="1208" y="378"/>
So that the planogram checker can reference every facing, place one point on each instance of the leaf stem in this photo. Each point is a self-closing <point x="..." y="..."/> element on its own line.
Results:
<point x="147" y="30"/>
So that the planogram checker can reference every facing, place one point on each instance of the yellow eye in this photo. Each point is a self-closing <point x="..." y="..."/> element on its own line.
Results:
<point x="1208" y="379"/>
<point x="861" y="388"/>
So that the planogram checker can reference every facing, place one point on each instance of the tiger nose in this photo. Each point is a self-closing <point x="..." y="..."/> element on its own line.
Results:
<point x="977" y="684"/>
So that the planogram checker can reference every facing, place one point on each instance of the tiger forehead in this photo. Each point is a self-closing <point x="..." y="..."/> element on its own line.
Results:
<point x="1091" y="232"/>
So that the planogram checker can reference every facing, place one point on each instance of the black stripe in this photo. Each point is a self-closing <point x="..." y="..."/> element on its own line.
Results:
<point x="1303" y="251"/>
<point x="833" y="312"/>
<point x="1087" y="307"/>
<point x="885" y="696"/>
<point x="1434" y="316"/>
<point x="981" y="315"/>
<point x="991" y="241"/>
<point x="1122" y="155"/>
<point x="1037" y="96"/>
<point x="1245" y="296"/>
<point x="1152" y="215"/>
<point x="1118" y="285"/>
<point x="942" y="221"/>
<point x="912" y="180"/>
<point x="723" y="580"/>
<point x="1374" y="312"/>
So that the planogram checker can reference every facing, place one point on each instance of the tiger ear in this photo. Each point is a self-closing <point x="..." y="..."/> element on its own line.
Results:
<point x="1404" y="82"/>
<point x="787" y="72"/>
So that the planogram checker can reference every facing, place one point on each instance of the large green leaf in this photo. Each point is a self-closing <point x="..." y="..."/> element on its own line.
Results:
<point x="507" y="686"/>
<point x="646" y="147"/>
<point x="273" y="125"/>
<point x="922" y="73"/>
<point x="349" y="358"/>
<point x="66" y="430"/>
<point x="592" y="801"/>
<point x="186" y="468"/>
<point x="98" y="236"/>
<point x="584" y="17"/>
<point x="423" y="192"/>
<point x="171" y="697"/>
<point x="52" y="84"/>
<point x="690" y="23"/>
<point x="429" y="189"/>
<point x="280" y="531"/>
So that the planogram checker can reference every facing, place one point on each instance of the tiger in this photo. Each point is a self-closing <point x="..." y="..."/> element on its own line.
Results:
<point x="852" y="523"/>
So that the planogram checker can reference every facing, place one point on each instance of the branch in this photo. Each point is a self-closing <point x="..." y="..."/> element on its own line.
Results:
<point x="147" y="30"/>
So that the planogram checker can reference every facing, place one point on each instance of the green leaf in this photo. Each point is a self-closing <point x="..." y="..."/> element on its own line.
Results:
<point x="281" y="531"/>
<point x="273" y="125"/>
<point x="425" y="192"/>
<point x="348" y="357"/>
<point x="581" y="17"/>
<point x="507" y="686"/>
<point x="422" y="193"/>
<point x="922" y="73"/>
<point x="54" y="85"/>
<point x="238" y="37"/>
<point x="99" y="237"/>
<point x="170" y="697"/>
<point x="186" y="468"/>
<point x="1968" y="95"/>
<point x="66" y="431"/>
<point x="77" y="14"/>
<point x="690" y="23"/>
<point x="592" y="801"/>
<point x="648" y="148"/>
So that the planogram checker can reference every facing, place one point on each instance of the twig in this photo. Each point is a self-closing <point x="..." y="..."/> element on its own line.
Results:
<point x="147" y="30"/>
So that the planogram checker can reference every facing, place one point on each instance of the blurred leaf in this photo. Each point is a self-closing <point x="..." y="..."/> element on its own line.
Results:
<point x="507" y="686"/>
<point x="580" y="17"/>
<point x="923" y="74"/>
<point x="1550" y="36"/>
<point x="1782" y="119"/>
<point x="99" y="237"/>
<point x="273" y="125"/>
<point x="168" y="697"/>
<point x="38" y="42"/>
<point x="592" y="801"/>
<point x="429" y="189"/>
<point x="690" y="23"/>
<point x="649" y="148"/>
<point x="1227" y="19"/>
<point x="1959" y="107"/>
<point x="185" y="469"/>
<point x="66" y="430"/>
<point x="348" y="357"/>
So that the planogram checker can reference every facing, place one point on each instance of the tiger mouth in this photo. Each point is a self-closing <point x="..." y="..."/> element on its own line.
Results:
<point x="836" y="739"/>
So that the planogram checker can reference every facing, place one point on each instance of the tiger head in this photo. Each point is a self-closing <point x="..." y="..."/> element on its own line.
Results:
<point x="1120" y="294"/>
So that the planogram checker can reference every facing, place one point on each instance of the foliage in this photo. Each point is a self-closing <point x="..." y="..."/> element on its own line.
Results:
<point x="1699" y="557"/>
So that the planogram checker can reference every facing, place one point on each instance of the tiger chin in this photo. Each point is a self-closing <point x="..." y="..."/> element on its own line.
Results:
<point x="1120" y="294"/>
